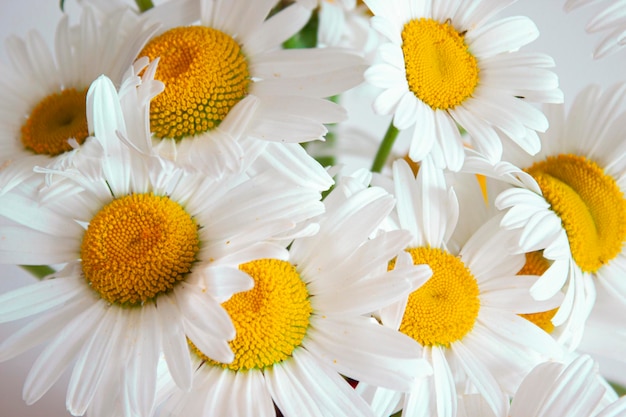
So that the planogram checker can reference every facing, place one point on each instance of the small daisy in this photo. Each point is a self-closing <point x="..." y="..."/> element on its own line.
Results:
<point x="575" y="209"/>
<point x="573" y="389"/>
<point x="611" y="19"/>
<point x="42" y="110"/>
<point x="447" y="65"/>
<point x="229" y="73"/>
<point x="150" y="253"/>
<point x="305" y="324"/>
<point x="465" y="318"/>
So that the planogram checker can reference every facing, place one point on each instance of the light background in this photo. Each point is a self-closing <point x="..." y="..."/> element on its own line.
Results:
<point x="562" y="37"/>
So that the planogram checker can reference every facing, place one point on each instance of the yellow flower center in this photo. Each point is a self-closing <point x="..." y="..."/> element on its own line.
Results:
<point x="271" y="319"/>
<point x="444" y="309"/>
<point x="590" y="204"/>
<point x="440" y="69"/>
<point x="57" y="118"/>
<point x="536" y="264"/>
<point x="205" y="75"/>
<point x="137" y="247"/>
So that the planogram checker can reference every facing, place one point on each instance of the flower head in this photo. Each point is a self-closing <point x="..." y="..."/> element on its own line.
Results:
<point x="149" y="253"/>
<point x="446" y="64"/>
<point x="44" y="115"/>
<point x="305" y="324"/>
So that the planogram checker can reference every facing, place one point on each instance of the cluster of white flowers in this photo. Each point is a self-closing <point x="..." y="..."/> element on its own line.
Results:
<point x="213" y="237"/>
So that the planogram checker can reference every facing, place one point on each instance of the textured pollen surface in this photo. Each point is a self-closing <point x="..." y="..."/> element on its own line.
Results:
<point x="271" y="319"/>
<point x="138" y="247"/>
<point x="440" y="69"/>
<point x="205" y="75"/>
<point x="445" y="308"/>
<point x="57" y="118"/>
<point x="590" y="204"/>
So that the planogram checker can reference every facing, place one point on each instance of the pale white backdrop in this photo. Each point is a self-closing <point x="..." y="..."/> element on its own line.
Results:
<point x="562" y="36"/>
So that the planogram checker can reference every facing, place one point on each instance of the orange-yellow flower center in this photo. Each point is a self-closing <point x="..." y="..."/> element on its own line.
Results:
<point x="440" y="69"/>
<point x="590" y="204"/>
<point x="57" y="118"/>
<point x="205" y="75"/>
<point x="271" y="319"/>
<point x="536" y="264"/>
<point x="137" y="247"/>
<point x="445" y="308"/>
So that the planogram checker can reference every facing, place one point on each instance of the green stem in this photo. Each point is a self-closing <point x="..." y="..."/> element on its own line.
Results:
<point x="39" y="271"/>
<point x="144" y="5"/>
<point x="385" y="148"/>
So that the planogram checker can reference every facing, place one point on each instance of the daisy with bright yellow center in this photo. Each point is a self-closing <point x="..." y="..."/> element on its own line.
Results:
<point x="445" y="65"/>
<point x="575" y="210"/>
<point x="44" y="115"/>
<point x="305" y="325"/>
<point x="150" y="253"/>
<point x="232" y="94"/>
<point x="465" y="318"/>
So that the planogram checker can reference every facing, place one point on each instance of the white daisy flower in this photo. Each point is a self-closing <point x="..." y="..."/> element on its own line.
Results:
<point x="150" y="252"/>
<point x="42" y="111"/>
<point x="465" y="317"/>
<point x="610" y="19"/>
<point x="575" y="207"/>
<point x="572" y="389"/>
<point x="305" y="325"/>
<point x="230" y="64"/>
<point x="446" y="64"/>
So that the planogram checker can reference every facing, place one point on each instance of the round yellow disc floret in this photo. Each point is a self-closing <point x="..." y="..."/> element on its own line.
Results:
<point x="445" y="308"/>
<point x="57" y="118"/>
<point x="590" y="204"/>
<point x="440" y="69"/>
<point x="271" y="319"/>
<point x="205" y="75"/>
<point x="138" y="247"/>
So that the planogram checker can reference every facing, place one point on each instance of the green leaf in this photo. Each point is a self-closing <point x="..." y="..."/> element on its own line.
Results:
<point x="39" y="271"/>
<point x="621" y="390"/>
<point x="144" y="5"/>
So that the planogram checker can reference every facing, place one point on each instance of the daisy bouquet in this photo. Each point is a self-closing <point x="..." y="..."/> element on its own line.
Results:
<point x="216" y="225"/>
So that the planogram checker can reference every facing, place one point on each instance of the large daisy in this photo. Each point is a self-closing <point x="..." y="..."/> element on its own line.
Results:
<point x="42" y="110"/>
<point x="149" y="253"/>
<point x="610" y="19"/>
<point x="465" y="318"/>
<point x="446" y="64"/>
<point x="575" y="208"/>
<point x="305" y="325"/>
<point x="228" y="73"/>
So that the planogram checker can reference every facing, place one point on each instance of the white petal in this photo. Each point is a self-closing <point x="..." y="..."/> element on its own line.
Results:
<point x="60" y="352"/>
<point x="175" y="346"/>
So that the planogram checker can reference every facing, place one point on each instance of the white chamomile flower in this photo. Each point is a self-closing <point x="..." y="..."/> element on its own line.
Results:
<point x="573" y="389"/>
<point x="43" y="115"/>
<point x="305" y="324"/>
<point x="150" y="253"/>
<point x="575" y="207"/>
<point x="466" y="317"/>
<point x="447" y="64"/>
<point x="231" y="89"/>
<point x="611" y="19"/>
